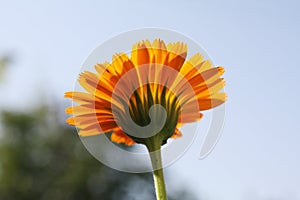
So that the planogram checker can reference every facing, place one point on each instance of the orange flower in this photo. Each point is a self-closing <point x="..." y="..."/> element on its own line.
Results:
<point x="124" y="91"/>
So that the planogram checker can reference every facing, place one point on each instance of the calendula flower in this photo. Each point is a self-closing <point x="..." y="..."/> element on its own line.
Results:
<point x="161" y="75"/>
<point x="146" y="96"/>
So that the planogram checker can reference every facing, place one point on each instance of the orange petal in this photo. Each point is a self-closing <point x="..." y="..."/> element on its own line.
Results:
<point x="206" y="91"/>
<point x="96" y="129"/>
<point x="120" y="137"/>
<point x="140" y="54"/>
<point x="91" y="83"/>
<point x="159" y="50"/>
<point x="81" y="97"/>
<point x="71" y="121"/>
<point x="188" y="69"/>
<point x="216" y="100"/>
<point x="205" y="77"/>
<point x="105" y="123"/>
<point x="87" y="109"/>
<point x="90" y="132"/>
<point x="204" y="65"/>
<point x="177" y="134"/>
<point x="190" y="117"/>
<point x="118" y="61"/>
<point x="177" y="55"/>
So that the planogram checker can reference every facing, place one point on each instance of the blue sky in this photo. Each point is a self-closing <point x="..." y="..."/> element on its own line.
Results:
<point x="256" y="41"/>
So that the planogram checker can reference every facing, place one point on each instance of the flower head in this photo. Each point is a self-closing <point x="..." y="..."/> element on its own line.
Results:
<point x="147" y="94"/>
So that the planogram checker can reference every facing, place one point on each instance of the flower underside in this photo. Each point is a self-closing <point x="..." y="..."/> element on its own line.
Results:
<point x="140" y="104"/>
<point x="132" y="96"/>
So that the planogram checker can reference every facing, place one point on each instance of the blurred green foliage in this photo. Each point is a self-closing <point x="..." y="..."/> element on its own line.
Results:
<point x="4" y="61"/>
<point x="41" y="158"/>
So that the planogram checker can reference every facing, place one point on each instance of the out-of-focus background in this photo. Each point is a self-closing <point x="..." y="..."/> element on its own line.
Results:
<point x="42" y="47"/>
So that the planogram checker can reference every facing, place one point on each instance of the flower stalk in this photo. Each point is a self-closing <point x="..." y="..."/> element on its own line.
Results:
<point x="158" y="176"/>
<point x="154" y="147"/>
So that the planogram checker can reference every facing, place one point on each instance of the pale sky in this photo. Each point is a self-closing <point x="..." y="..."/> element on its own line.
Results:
<point x="257" y="157"/>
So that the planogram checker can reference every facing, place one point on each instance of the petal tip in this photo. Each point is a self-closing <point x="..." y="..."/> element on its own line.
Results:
<point x="221" y="70"/>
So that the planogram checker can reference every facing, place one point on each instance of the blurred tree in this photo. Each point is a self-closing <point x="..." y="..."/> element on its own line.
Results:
<point x="4" y="60"/>
<point x="43" y="159"/>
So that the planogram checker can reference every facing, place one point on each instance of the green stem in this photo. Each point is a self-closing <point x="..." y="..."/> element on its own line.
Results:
<point x="159" y="182"/>
<point x="158" y="176"/>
